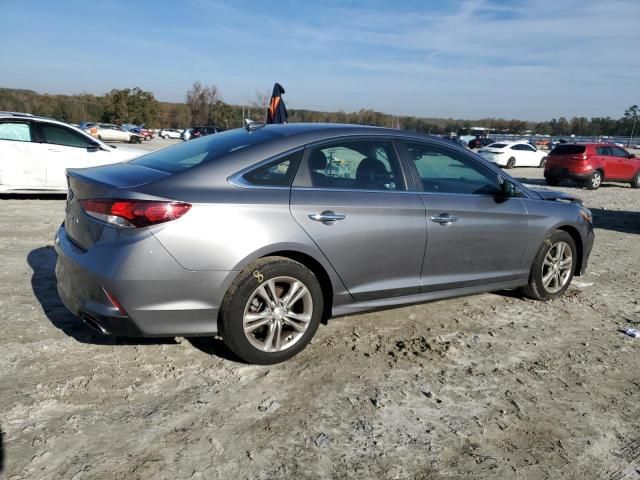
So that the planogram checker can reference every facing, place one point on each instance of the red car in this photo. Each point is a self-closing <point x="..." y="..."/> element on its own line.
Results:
<point x="591" y="164"/>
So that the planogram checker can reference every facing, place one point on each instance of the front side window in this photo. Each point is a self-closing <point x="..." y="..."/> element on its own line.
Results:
<point x="447" y="171"/>
<point x="278" y="173"/>
<point x="58" y="135"/>
<point x="17" y="131"/>
<point x="619" y="152"/>
<point x="359" y="165"/>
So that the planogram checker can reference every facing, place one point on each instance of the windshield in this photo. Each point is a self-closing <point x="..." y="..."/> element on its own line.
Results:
<point x="195" y="152"/>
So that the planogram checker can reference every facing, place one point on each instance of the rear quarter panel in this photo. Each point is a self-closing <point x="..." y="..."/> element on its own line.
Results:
<point x="234" y="228"/>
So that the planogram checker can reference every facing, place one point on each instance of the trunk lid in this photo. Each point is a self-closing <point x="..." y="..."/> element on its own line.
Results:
<point x="109" y="181"/>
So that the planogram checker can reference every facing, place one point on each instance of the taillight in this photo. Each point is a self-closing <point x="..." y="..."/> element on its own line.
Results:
<point x="133" y="213"/>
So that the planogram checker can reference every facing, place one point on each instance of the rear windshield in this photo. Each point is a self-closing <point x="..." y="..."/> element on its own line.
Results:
<point x="195" y="152"/>
<point x="497" y="145"/>
<point x="568" y="149"/>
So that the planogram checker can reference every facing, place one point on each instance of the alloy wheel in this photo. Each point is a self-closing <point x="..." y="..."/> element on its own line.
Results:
<point x="596" y="179"/>
<point x="277" y="314"/>
<point x="557" y="267"/>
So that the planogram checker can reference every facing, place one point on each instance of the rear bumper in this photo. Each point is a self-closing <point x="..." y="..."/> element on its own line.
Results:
<point x="565" y="174"/>
<point x="157" y="296"/>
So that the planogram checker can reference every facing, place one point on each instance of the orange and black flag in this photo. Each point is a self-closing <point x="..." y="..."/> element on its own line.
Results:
<point x="277" y="112"/>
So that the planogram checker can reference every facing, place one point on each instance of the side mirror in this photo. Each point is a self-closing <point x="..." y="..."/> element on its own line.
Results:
<point x="507" y="188"/>
<point x="94" y="147"/>
<point x="632" y="155"/>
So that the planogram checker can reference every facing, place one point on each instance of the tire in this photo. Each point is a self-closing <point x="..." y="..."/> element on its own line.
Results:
<point x="100" y="137"/>
<point x="595" y="180"/>
<point x="635" y="183"/>
<point x="552" y="181"/>
<point x="511" y="162"/>
<point x="543" y="160"/>
<point x="541" y="286"/>
<point x="246" y="296"/>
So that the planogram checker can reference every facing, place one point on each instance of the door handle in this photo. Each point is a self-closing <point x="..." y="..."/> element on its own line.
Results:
<point x="444" y="219"/>
<point x="54" y="150"/>
<point x="327" y="216"/>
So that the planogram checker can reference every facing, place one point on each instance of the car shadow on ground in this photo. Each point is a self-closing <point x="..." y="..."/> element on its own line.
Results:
<point x="215" y="347"/>
<point x="43" y="282"/>
<point x="2" y="455"/>
<point x="616" y="220"/>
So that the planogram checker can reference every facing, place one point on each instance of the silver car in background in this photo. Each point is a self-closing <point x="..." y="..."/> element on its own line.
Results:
<point x="258" y="234"/>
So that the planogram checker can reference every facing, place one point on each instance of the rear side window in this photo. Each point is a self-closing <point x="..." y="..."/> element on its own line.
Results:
<point x="605" y="151"/>
<point x="278" y="173"/>
<point x="15" y="131"/>
<point x="58" y="135"/>
<point x="569" y="149"/>
<point x="206" y="149"/>
<point x="357" y="165"/>
<point x="497" y="145"/>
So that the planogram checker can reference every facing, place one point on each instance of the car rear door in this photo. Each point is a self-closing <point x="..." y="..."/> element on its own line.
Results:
<point x="21" y="157"/>
<point x="474" y="235"/>
<point x="351" y="197"/>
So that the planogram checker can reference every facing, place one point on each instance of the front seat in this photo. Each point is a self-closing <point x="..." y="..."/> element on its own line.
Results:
<point x="372" y="174"/>
<point x="318" y="161"/>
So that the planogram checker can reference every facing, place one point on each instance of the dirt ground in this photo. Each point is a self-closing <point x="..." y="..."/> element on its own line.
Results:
<point x="489" y="386"/>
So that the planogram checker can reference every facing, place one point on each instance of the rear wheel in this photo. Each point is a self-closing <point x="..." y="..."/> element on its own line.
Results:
<point x="271" y="311"/>
<point x="511" y="162"/>
<point x="595" y="180"/>
<point x="635" y="183"/>
<point x="552" y="269"/>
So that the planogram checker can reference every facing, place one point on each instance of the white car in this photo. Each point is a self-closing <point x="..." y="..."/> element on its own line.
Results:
<point x="170" y="133"/>
<point x="35" y="153"/>
<point x="513" y="154"/>
<point x="112" y="133"/>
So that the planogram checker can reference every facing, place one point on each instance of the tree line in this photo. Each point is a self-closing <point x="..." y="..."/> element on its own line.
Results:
<point x="204" y="106"/>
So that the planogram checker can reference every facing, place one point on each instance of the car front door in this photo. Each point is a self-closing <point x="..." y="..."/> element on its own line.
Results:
<point x="474" y="234"/>
<point x="21" y="158"/>
<point x="65" y="148"/>
<point x="626" y="166"/>
<point x="351" y="198"/>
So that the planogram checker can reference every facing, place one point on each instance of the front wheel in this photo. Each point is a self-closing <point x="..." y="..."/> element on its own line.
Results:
<point x="511" y="162"/>
<point x="271" y="311"/>
<point x="553" y="267"/>
<point x="635" y="183"/>
<point x="543" y="160"/>
<point x="595" y="180"/>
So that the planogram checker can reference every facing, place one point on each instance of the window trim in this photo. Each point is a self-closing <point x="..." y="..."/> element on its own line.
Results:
<point x="302" y="180"/>
<point x="238" y="180"/>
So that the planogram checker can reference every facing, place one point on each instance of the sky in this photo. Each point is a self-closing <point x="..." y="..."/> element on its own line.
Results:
<point x="526" y="59"/>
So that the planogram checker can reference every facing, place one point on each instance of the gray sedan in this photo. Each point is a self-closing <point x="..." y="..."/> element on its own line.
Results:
<point x="258" y="234"/>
